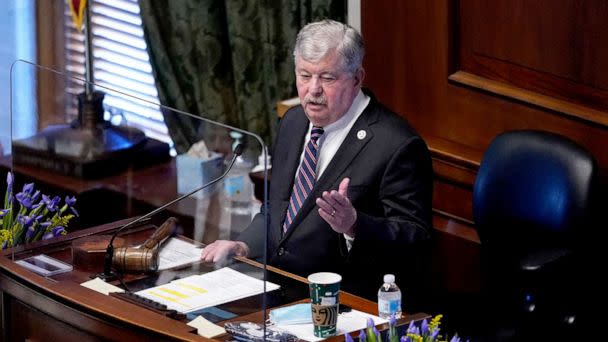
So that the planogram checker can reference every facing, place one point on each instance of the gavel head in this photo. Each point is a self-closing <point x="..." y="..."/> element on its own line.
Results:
<point x="135" y="259"/>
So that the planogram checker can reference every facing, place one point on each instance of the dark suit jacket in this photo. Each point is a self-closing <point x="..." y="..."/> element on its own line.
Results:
<point x="390" y="186"/>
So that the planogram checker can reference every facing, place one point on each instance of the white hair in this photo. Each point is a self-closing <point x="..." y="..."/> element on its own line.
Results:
<point x="316" y="40"/>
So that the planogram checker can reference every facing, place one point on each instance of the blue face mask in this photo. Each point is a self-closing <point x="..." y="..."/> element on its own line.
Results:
<point x="293" y="314"/>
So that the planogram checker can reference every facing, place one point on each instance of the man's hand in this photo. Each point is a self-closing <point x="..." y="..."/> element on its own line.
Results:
<point x="220" y="250"/>
<point x="335" y="208"/>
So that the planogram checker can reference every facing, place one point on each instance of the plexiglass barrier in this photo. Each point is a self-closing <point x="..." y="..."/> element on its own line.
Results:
<point x="80" y="165"/>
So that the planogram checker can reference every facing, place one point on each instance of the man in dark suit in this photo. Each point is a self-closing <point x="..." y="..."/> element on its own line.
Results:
<point x="351" y="181"/>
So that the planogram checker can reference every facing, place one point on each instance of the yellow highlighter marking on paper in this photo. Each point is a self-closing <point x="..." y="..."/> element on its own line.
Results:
<point x="192" y="287"/>
<point x="170" y="299"/>
<point x="173" y="292"/>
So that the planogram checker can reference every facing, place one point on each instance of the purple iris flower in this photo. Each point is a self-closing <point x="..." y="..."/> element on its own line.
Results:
<point x="27" y="188"/>
<point x="51" y="204"/>
<point x="9" y="182"/>
<point x="29" y="233"/>
<point x="435" y="334"/>
<point x="3" y="212"/>
<point x="455" y="338"/>
<point x="425" y="327"/>
<point x="370" y="322"/>
<point x="26" y="221"/>
<point x="411" y="327"/>
<point x="405" y="339"/>
<point x="70" y="203"/>
<point x="393" y="320"/>
<point x="57" y="231"/>
<point x="415" y="330"/>
<point x="348" y="338"/>
<point x="25" y="199"/>
<point x="362" y="336"/>
<point x="70" y="200"/>
<point x="55" y="203"/>
<point x="35" y="195"/>
<point x="46" y="200"/>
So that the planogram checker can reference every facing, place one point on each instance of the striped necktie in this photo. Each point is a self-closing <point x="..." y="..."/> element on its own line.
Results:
<point x="307" y="175"/>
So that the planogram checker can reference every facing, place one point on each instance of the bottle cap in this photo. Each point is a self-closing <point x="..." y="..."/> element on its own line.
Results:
<point x="260" y="166"/>
<point x="389" y="278"/>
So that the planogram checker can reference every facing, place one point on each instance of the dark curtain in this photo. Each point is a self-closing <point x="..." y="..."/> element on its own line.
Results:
<point x="226" y="60"/>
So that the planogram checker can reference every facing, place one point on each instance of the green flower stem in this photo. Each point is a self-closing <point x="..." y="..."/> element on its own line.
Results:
<point x="371" y="337"/>
<point x="7" y="220"/>
<point x="39" y="234"/>
<point x="392" y="334"/>
<point x="37" y="210"/>
<point x="62" y="210"/>
<point x="17" y="233"/>
<point x="22" y="212"/>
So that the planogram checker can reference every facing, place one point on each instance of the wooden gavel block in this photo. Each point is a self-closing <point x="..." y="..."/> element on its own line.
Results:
<point x="88" y="252"/>
<point x="143" y="258"/>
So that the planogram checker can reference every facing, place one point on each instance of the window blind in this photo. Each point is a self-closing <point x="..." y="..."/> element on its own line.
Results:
<point x="120" y="63"/>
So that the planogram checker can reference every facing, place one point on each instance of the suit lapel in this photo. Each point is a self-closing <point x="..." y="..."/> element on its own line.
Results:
<point x="284" y="174"/>
<point x="348" y="150"/>
<point x="295" y="144"/>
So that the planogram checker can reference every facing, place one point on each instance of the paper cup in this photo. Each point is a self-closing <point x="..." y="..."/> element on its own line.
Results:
<point x="324" y="297"/>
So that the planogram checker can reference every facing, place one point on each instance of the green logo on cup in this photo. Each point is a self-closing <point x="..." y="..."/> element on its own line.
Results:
<point x="324" y="296"/>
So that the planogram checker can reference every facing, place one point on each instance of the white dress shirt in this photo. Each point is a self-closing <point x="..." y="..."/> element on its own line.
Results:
<point x="335" y="133"/>
<point x="333" y="136"/>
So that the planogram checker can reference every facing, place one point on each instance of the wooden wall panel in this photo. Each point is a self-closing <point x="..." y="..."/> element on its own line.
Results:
<point x="413" y="48"/>
<point x="464" y="71"/>
<point x="555" y="48"/>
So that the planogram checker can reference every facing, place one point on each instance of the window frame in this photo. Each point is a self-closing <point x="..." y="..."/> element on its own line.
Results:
<point x="52" y="52"/>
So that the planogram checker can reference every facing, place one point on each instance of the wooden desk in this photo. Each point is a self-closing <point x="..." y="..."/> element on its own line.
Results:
<point x="138" y="191"/>
<point x="36" y="308"/>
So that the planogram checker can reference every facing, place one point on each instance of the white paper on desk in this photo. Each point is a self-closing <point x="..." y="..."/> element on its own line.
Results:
<point x="347" y="322"/>
<point x="101" y="286"/>
<point x="177" y="252"/>
<point x="206" y="328"/>
<point x="206" y="290"/>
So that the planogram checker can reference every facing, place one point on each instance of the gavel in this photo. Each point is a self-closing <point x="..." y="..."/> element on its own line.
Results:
<point x="143" y="258"/>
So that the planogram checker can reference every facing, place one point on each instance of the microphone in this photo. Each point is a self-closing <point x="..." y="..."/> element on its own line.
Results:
<point x="107" y="264"/>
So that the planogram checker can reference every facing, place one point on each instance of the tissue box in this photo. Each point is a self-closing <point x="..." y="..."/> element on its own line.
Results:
<point x="193" y="172"/>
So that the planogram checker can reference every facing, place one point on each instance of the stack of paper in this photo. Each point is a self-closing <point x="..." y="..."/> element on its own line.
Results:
<point x="206" y="290"/>
<point x="347" y="322"/>
<point x="176" y="252"/>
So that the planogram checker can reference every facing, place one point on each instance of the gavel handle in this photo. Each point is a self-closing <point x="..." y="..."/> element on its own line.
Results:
<point x="162" y="233"/>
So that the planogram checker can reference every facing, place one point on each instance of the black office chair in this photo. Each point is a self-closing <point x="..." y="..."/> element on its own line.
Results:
<point x="533" y="204"/>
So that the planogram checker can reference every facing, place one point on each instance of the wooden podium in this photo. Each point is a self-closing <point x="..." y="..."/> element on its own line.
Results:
<point x="57" y="308"/>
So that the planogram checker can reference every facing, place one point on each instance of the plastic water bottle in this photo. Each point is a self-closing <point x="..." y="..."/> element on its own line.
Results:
<point x="389" y="298"/>
<point x="238" y="189"/>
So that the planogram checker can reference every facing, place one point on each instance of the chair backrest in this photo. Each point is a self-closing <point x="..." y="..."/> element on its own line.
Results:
<point x="533" y="188"/>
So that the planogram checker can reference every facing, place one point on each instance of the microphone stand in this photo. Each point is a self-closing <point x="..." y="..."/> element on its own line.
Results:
<point x="107" y="274"/>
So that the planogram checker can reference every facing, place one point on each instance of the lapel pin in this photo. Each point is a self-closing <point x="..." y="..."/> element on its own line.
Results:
<point x="361" y="134"/>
